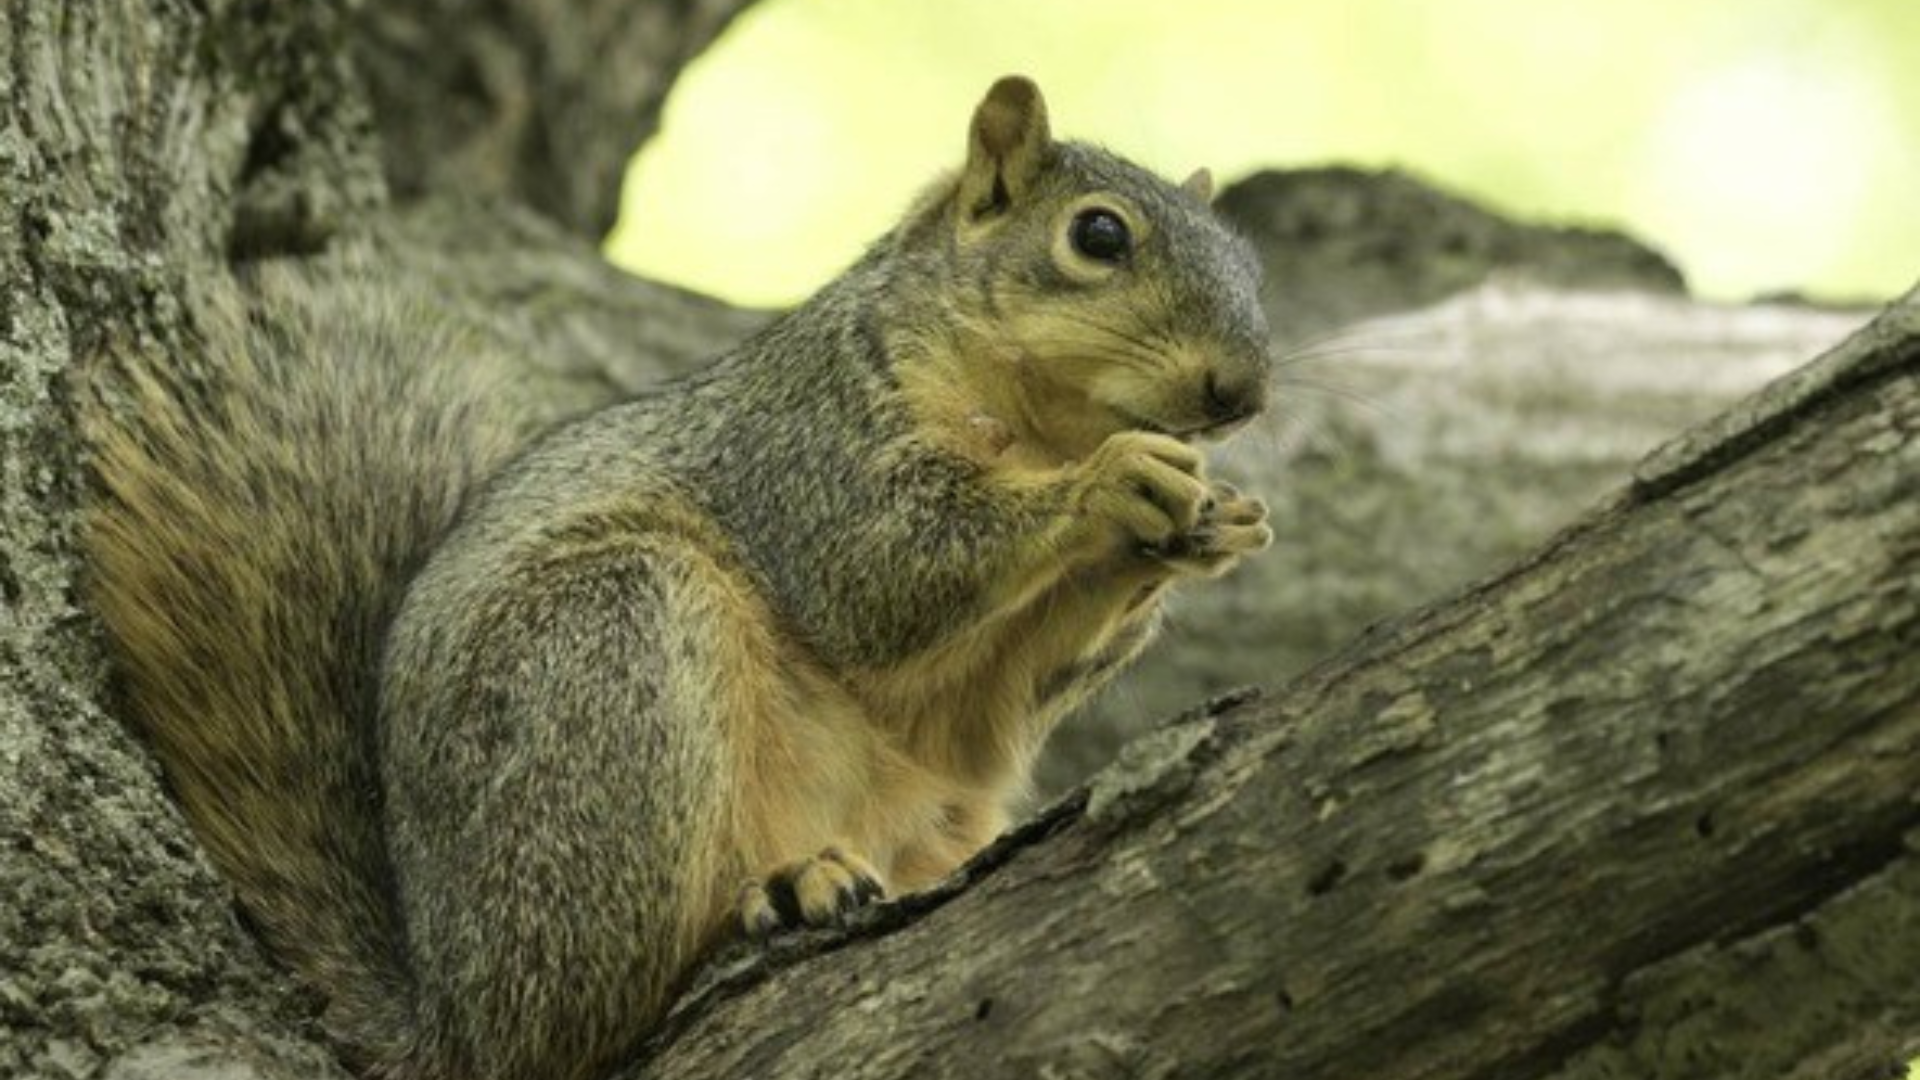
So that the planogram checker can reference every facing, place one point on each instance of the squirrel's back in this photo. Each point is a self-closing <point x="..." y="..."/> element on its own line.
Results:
<point x="267" y="502"/>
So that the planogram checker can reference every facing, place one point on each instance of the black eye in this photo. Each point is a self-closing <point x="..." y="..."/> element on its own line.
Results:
<point x="1100" y="235"/>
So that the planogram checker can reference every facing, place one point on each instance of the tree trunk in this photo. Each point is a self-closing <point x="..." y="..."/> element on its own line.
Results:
<point x="539" y="101"/>
<point x="143" y="145"/>
<point x="1712" y="647"/>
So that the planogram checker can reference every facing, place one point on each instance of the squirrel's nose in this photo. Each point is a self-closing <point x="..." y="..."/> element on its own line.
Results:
<point x="1232" y="398"/>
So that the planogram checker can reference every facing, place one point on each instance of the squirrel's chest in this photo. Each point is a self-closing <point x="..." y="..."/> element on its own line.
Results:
<point x="985" y="700"/>
<point x="917" y="764"/>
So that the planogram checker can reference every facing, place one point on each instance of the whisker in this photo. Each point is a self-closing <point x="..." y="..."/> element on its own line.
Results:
<point x="1294" y="432"/>
<point x="1352" y="333"/>
<point x="1154" y="344"/>
<point x="1365" y="340"/>
<point x="1346" y="394"/>
<point x="1130" y="357"/>
<point x="1331" y="352"/>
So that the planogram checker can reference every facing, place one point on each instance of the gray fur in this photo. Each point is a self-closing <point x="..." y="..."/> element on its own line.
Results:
<point x="522" y="782"/>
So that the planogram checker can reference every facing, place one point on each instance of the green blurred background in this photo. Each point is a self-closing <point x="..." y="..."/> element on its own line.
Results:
<point x="1766" y="145"/>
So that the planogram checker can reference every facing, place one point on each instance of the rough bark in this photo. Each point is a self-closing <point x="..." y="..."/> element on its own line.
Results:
<point x="1562" y="824"/>
<point x="144" y="145"/>
<point x="585" y="333"/>
<point x="130" y="142"/>
<point x="537" y="101"/>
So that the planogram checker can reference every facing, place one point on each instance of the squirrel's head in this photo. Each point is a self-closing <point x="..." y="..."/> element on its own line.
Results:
<point x="1112" y="298"/>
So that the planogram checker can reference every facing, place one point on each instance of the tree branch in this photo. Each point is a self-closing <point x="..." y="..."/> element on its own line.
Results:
<point x="532" y="100"/>
<point x="1476" y="843"/>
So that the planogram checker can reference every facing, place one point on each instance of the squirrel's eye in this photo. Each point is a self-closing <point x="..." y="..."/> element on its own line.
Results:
<point x="1100" y="235"/>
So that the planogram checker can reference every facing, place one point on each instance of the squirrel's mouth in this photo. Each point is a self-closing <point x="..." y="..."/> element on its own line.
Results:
<point x="1208" y="430"/>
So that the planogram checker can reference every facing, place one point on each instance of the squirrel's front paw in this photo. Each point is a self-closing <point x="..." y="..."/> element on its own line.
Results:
<point x="1231" y="526"/>
<point x="820" y="891"/>
<point x="1147" y="484"/>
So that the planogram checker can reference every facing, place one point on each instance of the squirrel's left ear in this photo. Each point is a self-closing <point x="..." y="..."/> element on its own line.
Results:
<point x="1006" y="146"/>
<point x="1200" y="185"/>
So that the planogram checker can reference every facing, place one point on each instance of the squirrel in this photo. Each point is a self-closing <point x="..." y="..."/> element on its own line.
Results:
<point x="495" y="733"/>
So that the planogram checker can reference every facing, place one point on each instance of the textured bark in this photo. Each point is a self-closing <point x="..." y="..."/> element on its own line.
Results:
<point x="1559" y="825"/>
<point x="538" y="101"/>
<point x="587" y="334"/>
<point x="144" y="144"/>
<point x="136" y="145"/>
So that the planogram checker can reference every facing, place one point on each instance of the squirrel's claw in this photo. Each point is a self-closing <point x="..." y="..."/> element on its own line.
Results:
<point x="1231" y="526"/>
<point x="819" y="891"/>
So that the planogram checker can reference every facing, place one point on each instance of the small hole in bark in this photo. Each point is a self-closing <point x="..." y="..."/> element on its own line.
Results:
<point x="1662" y="741"/>
<point x="1283" y="999"/>
<point x="1325" y="880"/>
<point x="1407" y="868"/>
<point x="268" y="146"/>
<point x="984" y="1009"/>
<point x="1703" y="826"/>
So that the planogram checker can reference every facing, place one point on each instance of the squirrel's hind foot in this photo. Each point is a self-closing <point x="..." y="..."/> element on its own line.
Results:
<point x="819" y="891"/>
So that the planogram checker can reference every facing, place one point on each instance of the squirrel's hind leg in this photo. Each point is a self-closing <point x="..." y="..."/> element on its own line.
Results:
<point x="560" y="798"/>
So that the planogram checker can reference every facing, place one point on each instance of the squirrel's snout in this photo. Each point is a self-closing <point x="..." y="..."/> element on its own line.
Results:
<point x="1233" y="398"/>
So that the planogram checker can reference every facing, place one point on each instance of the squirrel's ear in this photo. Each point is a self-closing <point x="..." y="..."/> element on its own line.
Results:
<point x="1199" y="185"/>
<point x="1005" y="148"/>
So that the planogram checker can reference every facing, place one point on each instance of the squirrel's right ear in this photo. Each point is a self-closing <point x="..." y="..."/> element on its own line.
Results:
<point x="1200" y="185"/>
<point x="1005" y="148"/>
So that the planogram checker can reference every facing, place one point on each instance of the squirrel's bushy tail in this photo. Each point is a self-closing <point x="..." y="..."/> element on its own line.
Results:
<point x="259" y="508"/>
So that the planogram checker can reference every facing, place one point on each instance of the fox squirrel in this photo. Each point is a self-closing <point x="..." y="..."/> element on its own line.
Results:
<point x="493" y="742"/>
